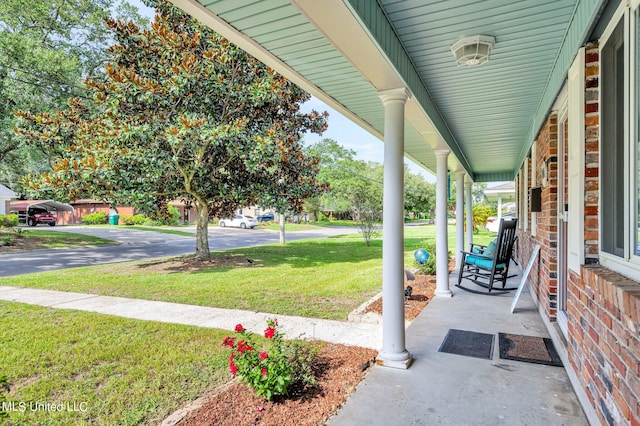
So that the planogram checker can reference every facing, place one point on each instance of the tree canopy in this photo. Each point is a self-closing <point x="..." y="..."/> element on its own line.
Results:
<point x="182" y="113"/>
<point x="46" y="49"/>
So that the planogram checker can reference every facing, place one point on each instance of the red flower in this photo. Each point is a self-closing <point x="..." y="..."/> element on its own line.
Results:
<point x="228" y="341"/>
<point x="264" y="372"/>
<point x="263" y="356"/>
<point x="269" y="332"/>
<point x="233" y="368"/>
<point x="243" y="346"/>
<point x="239" y="328"/>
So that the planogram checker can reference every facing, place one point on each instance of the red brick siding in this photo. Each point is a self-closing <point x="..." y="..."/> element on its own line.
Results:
<point x="543" y="276"/>
<point x="603" y="307"/>
<point x="592" y="155"/>
<point x="604" y="344"/>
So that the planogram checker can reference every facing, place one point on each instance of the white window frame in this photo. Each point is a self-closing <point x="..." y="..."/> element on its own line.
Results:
<point x="629" y="264"/>
<point x="576" y="162"/>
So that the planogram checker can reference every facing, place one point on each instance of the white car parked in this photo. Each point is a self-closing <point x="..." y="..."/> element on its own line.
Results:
<point x="239" y="221"/>
<point x="493" y="225"/>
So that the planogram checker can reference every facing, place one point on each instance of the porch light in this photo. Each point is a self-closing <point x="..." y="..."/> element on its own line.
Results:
<point x="475" y="50"/>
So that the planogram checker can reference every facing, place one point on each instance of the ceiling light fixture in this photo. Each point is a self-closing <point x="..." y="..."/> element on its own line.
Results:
<point x="475" y="50"/>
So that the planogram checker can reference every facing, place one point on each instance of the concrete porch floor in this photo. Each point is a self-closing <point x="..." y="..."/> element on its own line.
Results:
<point x="446" y="389"/>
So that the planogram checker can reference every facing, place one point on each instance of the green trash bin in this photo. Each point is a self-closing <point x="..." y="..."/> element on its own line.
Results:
<point x="113" y="219"/>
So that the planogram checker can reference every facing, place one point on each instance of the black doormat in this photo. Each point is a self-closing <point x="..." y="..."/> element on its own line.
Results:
<point x="538" y="350"/>
<point x="468" y="343"/>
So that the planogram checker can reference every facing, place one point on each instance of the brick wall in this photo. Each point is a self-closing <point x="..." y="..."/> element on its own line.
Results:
<point x="603" y="307"/>
<point x="604" y="342"/>
<point x="592" y="155"/>
<point x="543" y="275"/>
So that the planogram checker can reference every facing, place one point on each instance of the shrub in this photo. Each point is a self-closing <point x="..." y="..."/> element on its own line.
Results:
<point x="9" y="220"/>
<point x="126" y="219"/>
<point x="98" y="218"/>
<point x="428" y="267"/>
<point x="173" y="218"/>
<point x="270" y="371"/>
<point x="139" y="219"/>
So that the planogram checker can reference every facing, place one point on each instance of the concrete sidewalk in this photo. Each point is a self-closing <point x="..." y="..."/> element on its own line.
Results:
<point x="347" y="333"/>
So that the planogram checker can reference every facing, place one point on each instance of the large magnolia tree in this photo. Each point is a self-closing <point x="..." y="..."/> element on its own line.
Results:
<point x="47" y="48"/>
<point x="182" y="113"/>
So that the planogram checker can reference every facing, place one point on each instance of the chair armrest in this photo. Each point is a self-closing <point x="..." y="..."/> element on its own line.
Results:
<point x="478" y="245"/>
<point x="468" y="253"/>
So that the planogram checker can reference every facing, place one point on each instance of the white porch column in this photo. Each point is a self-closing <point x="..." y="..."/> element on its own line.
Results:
<point x="393" y="353"/>
<point x="459" y="215"/>
<point x="468" y="185"/>
<point x="499" y="207"/>
<point x="442" y="245"/>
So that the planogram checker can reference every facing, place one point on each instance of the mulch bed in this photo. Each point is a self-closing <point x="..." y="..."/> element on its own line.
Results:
<point x="338" y="369"/>
<point x="424" y="287"/>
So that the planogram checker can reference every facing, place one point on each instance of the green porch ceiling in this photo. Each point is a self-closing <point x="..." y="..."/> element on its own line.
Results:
<point x="344" y="51"/>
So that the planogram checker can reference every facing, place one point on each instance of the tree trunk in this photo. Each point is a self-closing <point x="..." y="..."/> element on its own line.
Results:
<point x="202" y="233"/>
<point x="282" y="241"/>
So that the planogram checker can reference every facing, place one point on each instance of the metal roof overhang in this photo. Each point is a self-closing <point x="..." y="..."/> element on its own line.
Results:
<point x="505" y="191"/>
<point x="345" y="51"/>
<point x="47" y="204"/>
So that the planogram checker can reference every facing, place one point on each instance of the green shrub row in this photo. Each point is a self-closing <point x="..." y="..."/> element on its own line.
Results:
<point x="136" y="219"/>
<point x="8" y="220"/>
<point x="101" y="218"/>
<point x="97" y="218"/>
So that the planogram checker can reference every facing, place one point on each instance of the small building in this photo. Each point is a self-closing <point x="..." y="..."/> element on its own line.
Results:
<point x="6" y="195"/>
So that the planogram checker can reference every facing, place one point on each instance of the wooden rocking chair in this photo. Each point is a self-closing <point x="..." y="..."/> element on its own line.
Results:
<point x="484" y="265"/>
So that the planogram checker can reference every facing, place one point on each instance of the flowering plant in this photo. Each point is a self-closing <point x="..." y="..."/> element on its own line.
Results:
<point x="267" y="371"/>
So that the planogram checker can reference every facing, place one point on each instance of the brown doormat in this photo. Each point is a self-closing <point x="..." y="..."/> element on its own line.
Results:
<point x="538" y="350"/>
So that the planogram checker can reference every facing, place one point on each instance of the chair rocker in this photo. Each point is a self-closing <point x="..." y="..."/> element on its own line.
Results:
<point x="484" y="265"/>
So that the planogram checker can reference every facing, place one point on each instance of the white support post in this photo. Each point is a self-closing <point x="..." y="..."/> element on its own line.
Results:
<point x="393" y="353"/>
<point x="459" y="215"/>
<point x="442" y="245"/>
<point x="468" y="186"/>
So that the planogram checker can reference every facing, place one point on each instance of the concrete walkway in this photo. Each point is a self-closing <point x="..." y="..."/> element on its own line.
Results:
<point x="446" y="389"/>
<point x="347" y="333"/>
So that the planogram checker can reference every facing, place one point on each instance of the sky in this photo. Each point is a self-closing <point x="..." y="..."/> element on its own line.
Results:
<point x="352" y="136"/>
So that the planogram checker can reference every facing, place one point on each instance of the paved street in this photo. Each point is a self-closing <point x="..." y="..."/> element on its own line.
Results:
<point x="134" y="244"/>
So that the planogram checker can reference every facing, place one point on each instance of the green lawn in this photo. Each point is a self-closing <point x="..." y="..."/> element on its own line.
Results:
<point x="159" y="229"/>
<point x="275" y="226"/>
<point x="115" y="370"/>
<point x="322" y="278"/>
<point x="38" y="238"/>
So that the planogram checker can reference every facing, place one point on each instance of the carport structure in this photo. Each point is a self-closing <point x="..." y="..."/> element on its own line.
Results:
<point x="388" y="66"/>
<point x="50" y="205"/>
